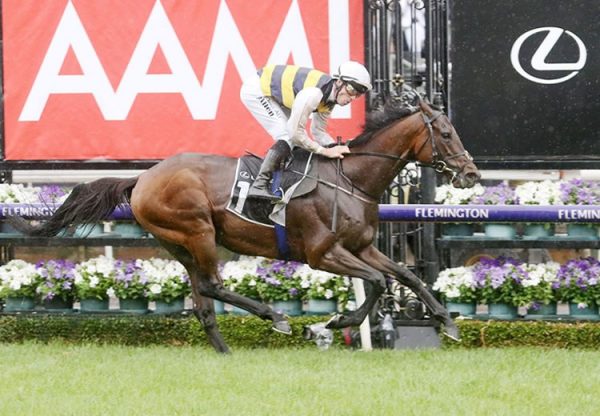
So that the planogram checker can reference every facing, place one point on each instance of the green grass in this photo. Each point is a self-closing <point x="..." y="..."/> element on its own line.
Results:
<point x="58" y="379"/>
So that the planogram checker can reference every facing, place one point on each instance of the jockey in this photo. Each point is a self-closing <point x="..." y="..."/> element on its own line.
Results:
<point x="282" y="98"/>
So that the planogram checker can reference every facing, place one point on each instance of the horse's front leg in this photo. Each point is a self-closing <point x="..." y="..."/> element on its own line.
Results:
<point x="340" y="261"/>
<point x="402" y="274"/>
<point x="204" y="310"/>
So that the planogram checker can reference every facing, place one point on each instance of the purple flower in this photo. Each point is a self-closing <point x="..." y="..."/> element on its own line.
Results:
<point x="49" y="194"/>
<point x="578" y="280"/>
<point x="579" y="191"/>
<point x="501" y="194"/>
<point x="277" y="280"/>
<point x="58" y="277"/>
<point x="130" y="279"/>
<point x="499" y="279"/>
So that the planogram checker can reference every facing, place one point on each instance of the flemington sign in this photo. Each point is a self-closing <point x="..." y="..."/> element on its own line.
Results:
<point x="393" y="212"/>
<point x="490" y="213"/>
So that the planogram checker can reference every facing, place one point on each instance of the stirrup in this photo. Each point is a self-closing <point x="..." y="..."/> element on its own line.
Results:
<point x="260" y="193"/>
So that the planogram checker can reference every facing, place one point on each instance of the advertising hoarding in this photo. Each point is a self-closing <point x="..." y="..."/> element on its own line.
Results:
<point x="115" y="80"/>
<point x="525" y="82"/>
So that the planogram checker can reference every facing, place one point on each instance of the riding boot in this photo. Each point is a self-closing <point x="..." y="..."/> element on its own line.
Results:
<point x="273" y="160"/>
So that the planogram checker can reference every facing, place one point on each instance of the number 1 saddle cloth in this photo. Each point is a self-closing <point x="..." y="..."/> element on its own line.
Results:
<point x="298" y="178"/>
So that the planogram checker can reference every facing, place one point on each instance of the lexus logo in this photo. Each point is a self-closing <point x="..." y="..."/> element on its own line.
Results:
<point x="538" y="60"/>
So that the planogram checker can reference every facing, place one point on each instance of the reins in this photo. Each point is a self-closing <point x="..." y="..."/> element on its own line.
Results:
<point x="371" y="200"/>
<point x="438" y="165"/>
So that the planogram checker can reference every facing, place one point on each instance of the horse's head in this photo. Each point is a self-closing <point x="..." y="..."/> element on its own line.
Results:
<point x="442" y="148"/>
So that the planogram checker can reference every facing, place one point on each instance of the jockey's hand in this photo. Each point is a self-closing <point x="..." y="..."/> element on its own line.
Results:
<point x="335" y="152"/>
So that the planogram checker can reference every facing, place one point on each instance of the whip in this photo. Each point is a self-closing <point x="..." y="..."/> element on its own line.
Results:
<point x="335" y="195"/>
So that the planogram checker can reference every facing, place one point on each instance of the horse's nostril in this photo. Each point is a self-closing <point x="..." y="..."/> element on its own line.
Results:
<point x="473" y="176"/>
<point x="467" y="180"/>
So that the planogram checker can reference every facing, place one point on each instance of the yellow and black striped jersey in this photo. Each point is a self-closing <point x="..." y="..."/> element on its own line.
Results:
<point x="284" y="82"/>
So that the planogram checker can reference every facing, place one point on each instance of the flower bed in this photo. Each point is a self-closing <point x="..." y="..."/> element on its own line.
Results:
<point x="18" y="193"/>
<point x="574" y="191"/>
<point x="513" y="282"/>
<point x="156" y="279"/>
<point x="275" y="280"/>
<point x="98" y="278"/>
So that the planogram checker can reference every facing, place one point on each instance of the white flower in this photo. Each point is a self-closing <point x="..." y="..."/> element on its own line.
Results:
<point x="244" y="266"/>
<point x="100" y="266"/>
<point x="17" y="193"/>
<point x="17" y="274"/>
<point x="15" y="284"/>
<point x="450" y="281"/>
<point x="449" y="195"/>
<point x="155" y="288"/>
<point x="539" y="193"/>
<point x="162" y="273"/>
<point x="110" y="292"/>
<point x="542" y="272"/>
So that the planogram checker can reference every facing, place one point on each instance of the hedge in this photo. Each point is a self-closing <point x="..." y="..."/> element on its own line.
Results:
<point x="238" y="331"/>
<point x="551" y="334"/>
<point x="252" y="332"/>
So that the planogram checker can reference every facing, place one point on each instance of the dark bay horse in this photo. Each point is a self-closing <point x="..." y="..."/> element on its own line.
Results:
<point x="182" y="202"/>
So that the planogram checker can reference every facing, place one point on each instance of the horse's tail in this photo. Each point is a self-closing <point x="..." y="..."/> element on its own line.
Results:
<point x="88" y="203"/>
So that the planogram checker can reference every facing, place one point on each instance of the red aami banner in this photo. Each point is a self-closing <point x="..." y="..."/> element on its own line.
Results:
<point x="110" y="79"/>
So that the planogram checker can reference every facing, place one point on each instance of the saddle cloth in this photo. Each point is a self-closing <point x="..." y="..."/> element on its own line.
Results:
<point x="294" y="181"/>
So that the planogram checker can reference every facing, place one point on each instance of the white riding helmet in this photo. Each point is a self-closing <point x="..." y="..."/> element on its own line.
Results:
<point x="356" y="75"/>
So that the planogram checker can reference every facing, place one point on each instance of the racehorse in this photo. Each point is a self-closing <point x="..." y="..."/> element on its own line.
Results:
<point x="182" y="202"/>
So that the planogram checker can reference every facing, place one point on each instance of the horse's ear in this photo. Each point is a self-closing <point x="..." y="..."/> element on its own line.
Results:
<point x="409" y="97"/>
<point x="438" y="101"/>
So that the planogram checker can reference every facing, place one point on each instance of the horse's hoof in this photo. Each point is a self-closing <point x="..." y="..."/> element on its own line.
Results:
<point x="282" y="327"/>
<point x="451" y="331"/>
<point x="334" y="322"/>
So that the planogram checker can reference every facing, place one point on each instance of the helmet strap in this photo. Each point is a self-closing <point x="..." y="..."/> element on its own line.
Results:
<point x="338" y="89"/>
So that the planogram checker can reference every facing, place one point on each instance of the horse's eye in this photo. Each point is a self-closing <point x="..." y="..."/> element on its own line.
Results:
<point x="446" y="134"/>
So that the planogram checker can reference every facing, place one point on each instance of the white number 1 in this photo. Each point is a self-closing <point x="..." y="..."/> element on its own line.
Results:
<point x="244" y="187"/>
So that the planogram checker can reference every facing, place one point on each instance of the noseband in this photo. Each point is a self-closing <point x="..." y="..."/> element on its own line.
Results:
<point x="439" y="164"/>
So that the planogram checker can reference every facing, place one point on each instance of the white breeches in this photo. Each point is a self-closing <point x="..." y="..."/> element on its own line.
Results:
<point x="272" y="116"/>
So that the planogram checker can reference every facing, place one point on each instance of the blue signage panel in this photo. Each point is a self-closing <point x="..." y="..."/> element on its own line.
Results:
<point x="490" y="213"/>
<point x="393" y="212"/>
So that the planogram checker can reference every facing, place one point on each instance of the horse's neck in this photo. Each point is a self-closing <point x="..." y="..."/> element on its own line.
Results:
<point x="373" y="174"/>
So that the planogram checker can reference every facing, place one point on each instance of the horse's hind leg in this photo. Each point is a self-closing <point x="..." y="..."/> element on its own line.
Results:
<point x="204" y="308"/>
<point x="280" y="322"/>
<point x="210" y="284"/>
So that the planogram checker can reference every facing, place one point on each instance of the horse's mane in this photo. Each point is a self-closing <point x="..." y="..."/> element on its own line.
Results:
<point x="393" y="110"/>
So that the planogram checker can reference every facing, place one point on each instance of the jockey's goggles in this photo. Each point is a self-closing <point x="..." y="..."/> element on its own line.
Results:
<point x="355" y="89"/>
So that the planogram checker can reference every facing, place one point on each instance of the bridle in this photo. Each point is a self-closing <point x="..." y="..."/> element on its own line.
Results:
<point x="439" y="164"/>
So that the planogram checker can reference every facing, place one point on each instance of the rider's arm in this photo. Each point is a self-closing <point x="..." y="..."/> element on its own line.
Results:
<point x="305" y="103"/>
<point x="318" y="128"/>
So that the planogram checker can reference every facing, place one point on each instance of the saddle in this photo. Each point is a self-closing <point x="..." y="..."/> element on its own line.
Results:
<point x="295" y="180"/>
